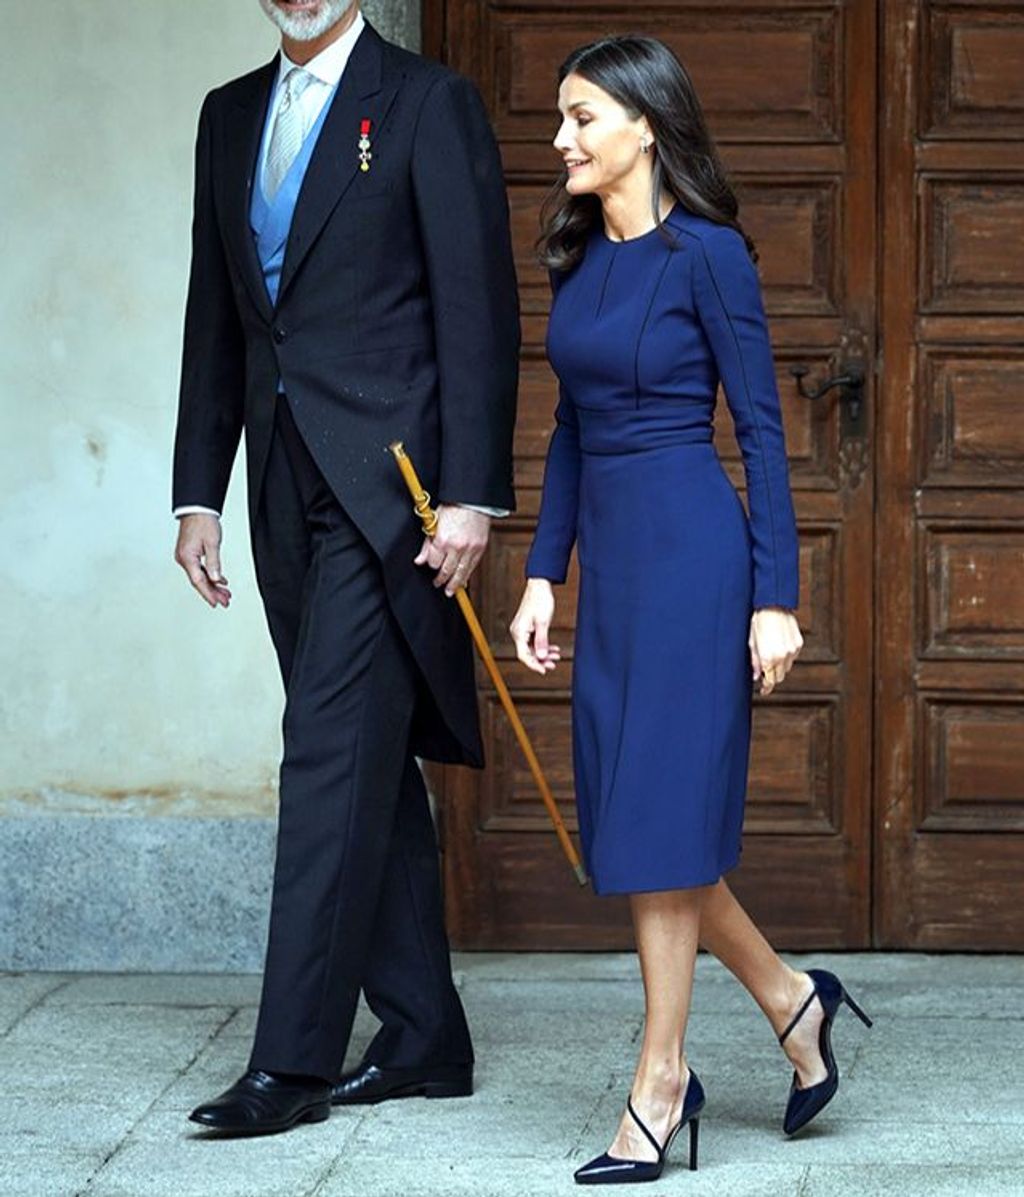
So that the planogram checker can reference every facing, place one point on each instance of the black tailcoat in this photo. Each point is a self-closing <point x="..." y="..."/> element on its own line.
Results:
<point x="397" y="319"/>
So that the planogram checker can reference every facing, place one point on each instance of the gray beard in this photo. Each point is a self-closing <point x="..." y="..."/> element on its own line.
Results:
<point x="303" y="27"/>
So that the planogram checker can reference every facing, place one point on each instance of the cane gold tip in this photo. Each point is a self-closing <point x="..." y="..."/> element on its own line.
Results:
<point x="581" y="874"/>
<point x="398" y="448"/>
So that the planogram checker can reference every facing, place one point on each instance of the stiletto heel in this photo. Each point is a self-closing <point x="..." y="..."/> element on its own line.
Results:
<point x="805" y="1104"/>
<point x="610" y="1170"/>
<point x="856" y="1009"/>
<point x="694" y="1131"/>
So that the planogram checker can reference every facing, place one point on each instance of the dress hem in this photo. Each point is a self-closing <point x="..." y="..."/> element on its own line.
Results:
<point x="616" y="891"/>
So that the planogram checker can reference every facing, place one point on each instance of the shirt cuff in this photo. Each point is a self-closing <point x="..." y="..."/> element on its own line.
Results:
<point x="495" y="512"/>
<point x="194" y="509"/>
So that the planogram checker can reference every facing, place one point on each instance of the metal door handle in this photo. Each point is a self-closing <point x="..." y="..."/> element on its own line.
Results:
<point x="851" y="381"/>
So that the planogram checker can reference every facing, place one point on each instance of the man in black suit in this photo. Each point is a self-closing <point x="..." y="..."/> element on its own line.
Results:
<point x="352" y="284"/>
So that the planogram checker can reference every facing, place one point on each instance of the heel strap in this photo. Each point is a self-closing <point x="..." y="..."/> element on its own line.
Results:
<point x="636" y="1118"/>
<point x="799" y="1014"/>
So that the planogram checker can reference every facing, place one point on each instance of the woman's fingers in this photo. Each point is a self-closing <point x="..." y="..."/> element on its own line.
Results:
<point x="775" y="642"/>
<point x="521" y="629"/>
<point x="529" y="636"/>
<point x="540" y="640"/>
<point x="550" y="658"/>
<point x="531" y="626"/>
<point x="755" y="660"/>
<point x="540" y="661"/>
<point x="774" y="672"/>
<point x="523" y="636"/>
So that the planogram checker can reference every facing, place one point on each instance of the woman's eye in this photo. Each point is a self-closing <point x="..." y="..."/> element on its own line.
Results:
<point x="581" y="121"/>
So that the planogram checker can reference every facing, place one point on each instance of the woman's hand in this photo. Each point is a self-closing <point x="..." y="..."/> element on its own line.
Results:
<point x="531" y="626"/>
<point x="775" y="642"/>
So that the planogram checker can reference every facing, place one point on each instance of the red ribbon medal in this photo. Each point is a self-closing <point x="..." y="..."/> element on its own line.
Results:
<point x="364" y="144"/>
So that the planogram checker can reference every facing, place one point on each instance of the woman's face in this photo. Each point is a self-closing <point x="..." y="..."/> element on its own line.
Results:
<point x="599" y="141"/>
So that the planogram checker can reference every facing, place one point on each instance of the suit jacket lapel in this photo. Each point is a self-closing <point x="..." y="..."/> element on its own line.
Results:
<point x="335" y="160"/>
<point x="244" y="128"/>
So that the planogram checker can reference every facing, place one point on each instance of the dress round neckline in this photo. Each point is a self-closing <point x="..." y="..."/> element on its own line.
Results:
<point x="640" y="236"/>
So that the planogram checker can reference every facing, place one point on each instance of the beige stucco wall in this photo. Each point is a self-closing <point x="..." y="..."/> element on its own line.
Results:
<point x="115" y="676"/>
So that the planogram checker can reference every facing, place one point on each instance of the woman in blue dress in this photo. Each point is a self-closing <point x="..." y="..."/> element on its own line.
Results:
<point x="686" y="601"/>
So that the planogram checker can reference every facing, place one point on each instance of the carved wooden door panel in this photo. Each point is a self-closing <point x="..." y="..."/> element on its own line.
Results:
<point x="949" y="830"/>
<point x="789" y="89"/>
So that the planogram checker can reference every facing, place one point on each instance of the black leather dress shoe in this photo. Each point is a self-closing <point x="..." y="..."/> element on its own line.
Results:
<point x="369" y="1084"/>
<point x="264" y="1104"/>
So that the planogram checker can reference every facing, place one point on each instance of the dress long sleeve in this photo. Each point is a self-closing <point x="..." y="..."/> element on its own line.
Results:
<point x="556" y="526"/>
<point x="727" y="294"/>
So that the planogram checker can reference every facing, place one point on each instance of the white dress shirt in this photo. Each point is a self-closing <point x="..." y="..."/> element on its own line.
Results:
<point x="326" y="68"/>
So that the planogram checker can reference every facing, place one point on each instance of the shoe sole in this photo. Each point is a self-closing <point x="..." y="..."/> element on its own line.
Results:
<point x="318" y="1113"/>
<point x="430" y="1089"/>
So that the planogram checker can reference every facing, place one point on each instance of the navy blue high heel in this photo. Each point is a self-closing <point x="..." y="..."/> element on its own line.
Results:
<point x="610" y="1170"/>
<point x="804" y="1104"/>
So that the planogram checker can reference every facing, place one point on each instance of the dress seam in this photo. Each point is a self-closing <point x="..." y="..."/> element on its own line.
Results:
<point x="604" y="285"/>
<point x="643" y="330"/>
<point x="753" y="416"/>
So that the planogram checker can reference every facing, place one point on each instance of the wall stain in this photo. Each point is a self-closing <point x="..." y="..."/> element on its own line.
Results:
<point x="97" y="450"/>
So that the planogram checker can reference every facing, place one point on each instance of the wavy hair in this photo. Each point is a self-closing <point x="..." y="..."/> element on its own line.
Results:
<point x="647" y="79"/>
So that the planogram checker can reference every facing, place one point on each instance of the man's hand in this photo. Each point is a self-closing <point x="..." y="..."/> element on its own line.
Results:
<point x="456" y="547"/>
<point x="198" y="554"/>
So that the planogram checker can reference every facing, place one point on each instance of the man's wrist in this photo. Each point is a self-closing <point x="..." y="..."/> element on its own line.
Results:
<point x="194" y="509"/>
<point x="494" y="512"/>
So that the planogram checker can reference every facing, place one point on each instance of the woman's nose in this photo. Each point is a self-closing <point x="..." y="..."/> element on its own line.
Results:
<point x="563" y="140"/>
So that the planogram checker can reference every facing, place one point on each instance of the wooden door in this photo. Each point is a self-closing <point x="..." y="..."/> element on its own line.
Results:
<point x="790" y="93"/>
<point x="949" y="834"/>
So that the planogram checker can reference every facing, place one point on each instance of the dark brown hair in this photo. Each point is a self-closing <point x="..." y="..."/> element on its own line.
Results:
<point x="647" y="79"/>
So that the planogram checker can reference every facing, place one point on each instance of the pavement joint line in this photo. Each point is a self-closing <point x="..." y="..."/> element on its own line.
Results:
<point x="233" y="1006"/>
<point x="560" y="980"/>
<point x="888" y="1017"/>
<point x="211" y="1039"/>
<point x="126" y="1138"/>
<point x="589" y="1119"/>
<point x="917" y="1165"/>
<point x="940" y="1120"/>
<point x="334" y="1166"/>
<point x="803" y="1182"/>
<point x="851" y="1069"/>
<point x="39" y="1001"/>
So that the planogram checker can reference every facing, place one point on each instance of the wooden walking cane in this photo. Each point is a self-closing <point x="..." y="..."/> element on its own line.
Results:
<point x="421" y="505"/>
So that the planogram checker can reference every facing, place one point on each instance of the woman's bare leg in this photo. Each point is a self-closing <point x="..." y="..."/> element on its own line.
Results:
<point x="667" y="928"/>
<point x="727" y="931"/>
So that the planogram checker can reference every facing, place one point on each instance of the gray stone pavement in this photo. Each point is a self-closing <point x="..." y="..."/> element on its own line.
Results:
<point x="99" y="1071"/>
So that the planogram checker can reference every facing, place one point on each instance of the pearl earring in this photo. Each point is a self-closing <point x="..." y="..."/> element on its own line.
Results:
<point x="644" y="147"/>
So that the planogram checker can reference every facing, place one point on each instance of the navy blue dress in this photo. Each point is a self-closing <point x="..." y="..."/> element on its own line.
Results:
<point x="671" y="567"/>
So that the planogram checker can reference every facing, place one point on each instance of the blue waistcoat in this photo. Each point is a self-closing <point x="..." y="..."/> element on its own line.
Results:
<point x="271" y="222"/>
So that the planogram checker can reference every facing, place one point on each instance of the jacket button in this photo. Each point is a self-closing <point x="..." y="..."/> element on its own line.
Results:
<point x="279" y="334"/>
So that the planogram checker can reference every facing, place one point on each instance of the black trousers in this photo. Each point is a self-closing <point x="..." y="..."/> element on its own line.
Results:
<point x="357" y="896"/>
